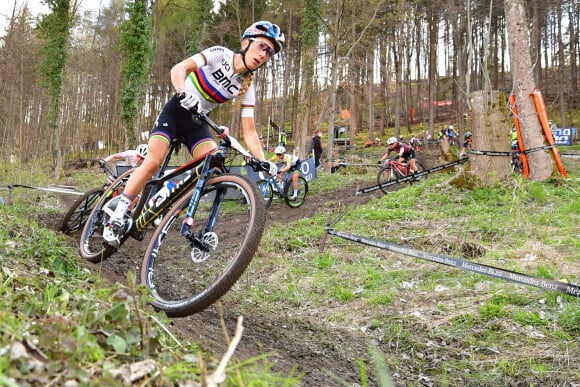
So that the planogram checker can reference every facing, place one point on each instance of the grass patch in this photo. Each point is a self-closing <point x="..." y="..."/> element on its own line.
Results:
<point x="455" y="327"/>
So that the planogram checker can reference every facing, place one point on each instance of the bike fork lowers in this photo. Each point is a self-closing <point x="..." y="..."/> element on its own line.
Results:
<point x="192" y="208"/>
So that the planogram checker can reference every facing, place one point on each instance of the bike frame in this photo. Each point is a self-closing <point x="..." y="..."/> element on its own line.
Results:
<point x="152" y="205"/>
<point x="286" y="179"/>
<point x="402" y="169"/>
<point x="154" y="202"/>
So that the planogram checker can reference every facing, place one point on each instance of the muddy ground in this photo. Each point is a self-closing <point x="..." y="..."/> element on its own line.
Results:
<point x="295" y="346"/>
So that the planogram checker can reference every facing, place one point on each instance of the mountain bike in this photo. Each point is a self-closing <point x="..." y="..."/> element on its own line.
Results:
<point x="211" y="225"/>
<point x="516" y="162"/>
<point x="77" y="215"/>
<point x="393" y="171"/>
<point x="270" y="188"/>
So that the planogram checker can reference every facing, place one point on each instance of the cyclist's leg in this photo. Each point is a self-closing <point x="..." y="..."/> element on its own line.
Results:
<point x="295" y="174"/>
<point x="411" y="160"/>
<point x="295" y="179"/>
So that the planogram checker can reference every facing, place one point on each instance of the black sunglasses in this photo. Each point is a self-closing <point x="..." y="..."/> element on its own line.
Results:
<point x="264" y="47"/>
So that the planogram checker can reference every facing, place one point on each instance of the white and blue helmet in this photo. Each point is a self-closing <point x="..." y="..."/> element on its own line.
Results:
<point x="267" y="30"/>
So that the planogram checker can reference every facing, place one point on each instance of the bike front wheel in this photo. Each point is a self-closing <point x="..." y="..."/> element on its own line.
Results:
<point x="91" y="245"/>
<point x="301" y="192"/>
<point x="387" y="175"/>
<point x="187" y="272"/>
<point x="267" y="192"/>
<point x="77" y="215"/>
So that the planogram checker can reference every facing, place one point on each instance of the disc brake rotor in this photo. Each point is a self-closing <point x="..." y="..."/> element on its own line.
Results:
<point x="210" y="239"/>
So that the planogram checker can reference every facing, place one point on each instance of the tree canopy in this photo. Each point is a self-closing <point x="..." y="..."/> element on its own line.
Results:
<point x="388" y="57"/>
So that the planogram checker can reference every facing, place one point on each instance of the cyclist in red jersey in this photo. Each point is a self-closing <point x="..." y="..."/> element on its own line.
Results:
<point x="405" y="152"/>
<point x="203" y="81"/>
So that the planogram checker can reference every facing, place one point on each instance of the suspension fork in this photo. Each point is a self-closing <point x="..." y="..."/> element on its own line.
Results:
<point x="194" y="202"/>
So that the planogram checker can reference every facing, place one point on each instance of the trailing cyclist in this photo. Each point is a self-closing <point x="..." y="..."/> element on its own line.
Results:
<point x="291" y="164"/>
<point x="466" y="144"/>
<point x="202" y="81"/>
<point x="134" y="157"/>
<point x="405" y="151"/>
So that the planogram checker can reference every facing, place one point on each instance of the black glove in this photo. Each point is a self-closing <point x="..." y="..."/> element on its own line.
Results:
<point x="102" y="163"/>
<point x="379" y="162"/>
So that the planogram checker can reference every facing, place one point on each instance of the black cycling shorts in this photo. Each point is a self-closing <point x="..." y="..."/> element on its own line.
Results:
<point x="176" y="122"/>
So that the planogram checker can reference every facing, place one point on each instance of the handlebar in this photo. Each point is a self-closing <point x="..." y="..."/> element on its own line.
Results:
<point x="395" y="162"/>
<point x="229" y="141"/>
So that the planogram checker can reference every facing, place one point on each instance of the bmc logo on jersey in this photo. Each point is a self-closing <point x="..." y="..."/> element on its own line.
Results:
<point x="224" y="81"/>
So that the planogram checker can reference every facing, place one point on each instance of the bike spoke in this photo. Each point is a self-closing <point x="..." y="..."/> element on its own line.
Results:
<point x="187" y="273"/>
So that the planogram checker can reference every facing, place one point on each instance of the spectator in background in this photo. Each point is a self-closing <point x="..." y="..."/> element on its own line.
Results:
<point x="316" y="147"/>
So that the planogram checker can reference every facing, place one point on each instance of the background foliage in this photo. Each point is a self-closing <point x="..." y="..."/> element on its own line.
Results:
<point x="111" y="96"/>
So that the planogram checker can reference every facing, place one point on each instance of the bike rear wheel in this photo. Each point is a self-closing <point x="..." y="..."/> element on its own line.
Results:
<point x="184" y="275"/>
<point x="79" y="212"/>
<point x="91" y="243"/>
<point x="387" y="175"/>
<point x="267" y="192"/>
<point x="300" y="195"/>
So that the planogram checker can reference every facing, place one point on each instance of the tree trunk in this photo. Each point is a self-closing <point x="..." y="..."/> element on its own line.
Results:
<point x="491" y="132"/>
<point x="371" y="94"/>
<point x="433" y="37"/>
<point x="540" y="163"/>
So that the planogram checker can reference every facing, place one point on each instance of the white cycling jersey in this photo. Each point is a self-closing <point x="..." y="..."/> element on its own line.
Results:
<point x="215" y="81"/>
<point x="130" y="156"/>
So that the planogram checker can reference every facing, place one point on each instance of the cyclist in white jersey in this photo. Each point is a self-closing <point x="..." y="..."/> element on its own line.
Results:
<point x="201" y="82"/>
<point x="134" y="157"/>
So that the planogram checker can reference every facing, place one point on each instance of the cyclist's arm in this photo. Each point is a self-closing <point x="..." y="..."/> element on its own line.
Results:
<point x="287" y="164"/>
<point x="251" y="137"/>
<point x="114" y="156"/>
<point x="180" y="71"/>
<point x="386" y="155"/>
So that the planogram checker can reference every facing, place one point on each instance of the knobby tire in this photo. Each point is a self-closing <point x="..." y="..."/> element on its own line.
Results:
<point x="384" y="176"/>
<point x="267" y="191"/>
<point x="184" y="278"/>
<point x="302" y="192"/>
<point x="91" y="244"/>
<point x="79" y="212"/>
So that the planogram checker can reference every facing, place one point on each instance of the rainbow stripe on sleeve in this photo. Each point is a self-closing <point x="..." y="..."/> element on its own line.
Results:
<point x="210" y="93"/>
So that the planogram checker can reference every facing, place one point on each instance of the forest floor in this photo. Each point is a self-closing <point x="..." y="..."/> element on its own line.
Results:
<point x="295" y="347"/>
<point x="322" y="354"/>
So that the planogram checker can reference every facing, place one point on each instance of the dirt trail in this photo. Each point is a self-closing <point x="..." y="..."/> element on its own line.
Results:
<point x="323" y="357"/>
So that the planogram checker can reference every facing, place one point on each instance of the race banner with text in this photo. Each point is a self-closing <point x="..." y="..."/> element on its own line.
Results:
<point x="563" y="136"/>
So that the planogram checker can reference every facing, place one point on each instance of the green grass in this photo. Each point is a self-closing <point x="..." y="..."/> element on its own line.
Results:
<point x="483" y="330"/>
<point x="65" y="324"/>
<point x="423" y="319"/>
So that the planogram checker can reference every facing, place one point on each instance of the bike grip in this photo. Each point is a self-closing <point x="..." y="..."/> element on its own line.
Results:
<point x="265" y="166"/>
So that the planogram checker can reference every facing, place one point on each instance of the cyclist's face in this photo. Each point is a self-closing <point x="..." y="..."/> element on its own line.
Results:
<point x="259" y="52"/>
<point x="280" y="155"/>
